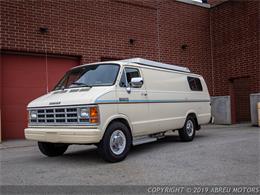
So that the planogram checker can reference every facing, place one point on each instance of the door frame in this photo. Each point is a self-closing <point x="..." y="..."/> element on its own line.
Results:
<point x="233" y="97"/>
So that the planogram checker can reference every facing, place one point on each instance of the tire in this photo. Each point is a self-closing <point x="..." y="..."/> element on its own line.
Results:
<point x="52" y="149"/>
<point x="116" y="143"/>
<point x="187" y="133"/>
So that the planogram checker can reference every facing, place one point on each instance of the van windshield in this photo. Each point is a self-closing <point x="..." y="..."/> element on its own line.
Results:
<point x="89" y="76"/>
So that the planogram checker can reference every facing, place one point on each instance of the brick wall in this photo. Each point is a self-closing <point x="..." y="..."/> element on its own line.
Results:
<point x="95" y="29"/>
<point x="235" y="43"/>
<point x="235" y="36"/>
<point x="90" y="29"/>
<point x="215" y="2"/>
<point x="184" y="24"/>
<point x="168" y="31"/>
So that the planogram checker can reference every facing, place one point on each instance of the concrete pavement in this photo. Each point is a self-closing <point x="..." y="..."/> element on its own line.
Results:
<point x="219" y="155"/>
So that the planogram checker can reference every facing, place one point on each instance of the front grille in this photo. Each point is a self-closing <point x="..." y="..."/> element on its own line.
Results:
<point x="58" y="116"/>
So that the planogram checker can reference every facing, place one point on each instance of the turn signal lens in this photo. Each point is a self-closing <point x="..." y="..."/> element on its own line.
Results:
<point x="93" y="120"/>
<point x="94" y="115"/>
<point x="93" y="112"/>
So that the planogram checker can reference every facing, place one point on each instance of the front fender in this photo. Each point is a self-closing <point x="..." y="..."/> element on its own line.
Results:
<point x="114" y="117"/>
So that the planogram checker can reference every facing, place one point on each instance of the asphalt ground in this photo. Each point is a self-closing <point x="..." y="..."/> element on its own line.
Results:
<point x="219" y="155"/>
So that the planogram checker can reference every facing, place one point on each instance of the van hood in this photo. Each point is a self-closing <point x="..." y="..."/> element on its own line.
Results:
<point x="72" y="96"/>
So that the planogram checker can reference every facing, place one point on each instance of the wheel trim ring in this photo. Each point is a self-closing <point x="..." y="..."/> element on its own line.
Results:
<point x="117" y="142"/>
<point x="189" y="128"/>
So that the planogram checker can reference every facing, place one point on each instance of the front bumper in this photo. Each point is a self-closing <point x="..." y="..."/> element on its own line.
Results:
<point x="64" y="135"/>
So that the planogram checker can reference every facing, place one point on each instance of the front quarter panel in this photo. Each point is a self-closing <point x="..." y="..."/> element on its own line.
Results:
<point x="107" y="109"/>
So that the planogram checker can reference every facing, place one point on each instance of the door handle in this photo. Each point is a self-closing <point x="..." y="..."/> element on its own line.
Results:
<point x="144" y="94"/>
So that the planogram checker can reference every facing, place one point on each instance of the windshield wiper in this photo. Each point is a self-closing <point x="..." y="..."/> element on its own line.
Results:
<point x="81" y="84"/>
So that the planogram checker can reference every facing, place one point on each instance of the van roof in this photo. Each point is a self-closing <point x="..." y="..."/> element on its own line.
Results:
<point x="144" y="62"/>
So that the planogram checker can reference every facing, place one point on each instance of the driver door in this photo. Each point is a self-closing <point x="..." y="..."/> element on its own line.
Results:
<point x="133" y="102"/>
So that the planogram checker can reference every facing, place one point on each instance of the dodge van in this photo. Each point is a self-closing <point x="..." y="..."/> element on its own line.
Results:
<point x="118" y="104"/>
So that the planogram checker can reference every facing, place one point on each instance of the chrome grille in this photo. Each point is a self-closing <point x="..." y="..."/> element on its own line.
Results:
<point x="58" y="116"/>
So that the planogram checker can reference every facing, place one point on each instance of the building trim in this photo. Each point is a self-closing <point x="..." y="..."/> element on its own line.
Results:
<point x="205" y="5"/>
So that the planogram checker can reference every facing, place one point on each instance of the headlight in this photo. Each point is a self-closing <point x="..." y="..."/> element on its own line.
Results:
<point x="33" y="114"/>
<point x="84" y="113"/>
<point x="90" y="114"/>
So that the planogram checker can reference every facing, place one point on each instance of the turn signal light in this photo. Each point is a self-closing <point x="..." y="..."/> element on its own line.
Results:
<point x="94" y="115"/>
<point x="93" y="111"/>
<point x="93" y="120"/>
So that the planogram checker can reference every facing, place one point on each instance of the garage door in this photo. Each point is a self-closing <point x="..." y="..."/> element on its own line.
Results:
<point x="23" y="79"/>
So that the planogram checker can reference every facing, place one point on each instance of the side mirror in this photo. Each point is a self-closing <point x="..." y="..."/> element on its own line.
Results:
<point x="136" y="82"/>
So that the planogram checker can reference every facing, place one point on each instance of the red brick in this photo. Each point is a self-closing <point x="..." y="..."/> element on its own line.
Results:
<point x="96" y="29"/>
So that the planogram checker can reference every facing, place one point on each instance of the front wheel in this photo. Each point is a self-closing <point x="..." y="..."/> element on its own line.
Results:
<point x="187" y="133"/>
<point x="52" y="149"/>
<point x="116" y="143"/>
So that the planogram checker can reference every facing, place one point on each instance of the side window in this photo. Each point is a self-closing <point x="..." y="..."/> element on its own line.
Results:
<point x="127" y="75"/>
<point x="194" y="83"/>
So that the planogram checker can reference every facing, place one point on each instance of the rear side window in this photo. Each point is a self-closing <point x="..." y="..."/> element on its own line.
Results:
<point x="194" y="83"/>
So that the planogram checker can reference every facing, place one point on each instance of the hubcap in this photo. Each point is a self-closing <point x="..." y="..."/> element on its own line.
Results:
<point x="117" y="142"/>
<point x="189" y="128"/>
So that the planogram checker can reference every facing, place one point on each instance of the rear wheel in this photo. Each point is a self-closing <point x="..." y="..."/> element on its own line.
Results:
<point x="116" y="143"/>
<point x="52" y="149"/>
<point x="187" y="133"/>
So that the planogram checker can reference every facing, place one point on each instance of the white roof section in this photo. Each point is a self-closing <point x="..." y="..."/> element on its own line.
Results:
<point x="143" y="62"/>
<point x="156" y="64"/>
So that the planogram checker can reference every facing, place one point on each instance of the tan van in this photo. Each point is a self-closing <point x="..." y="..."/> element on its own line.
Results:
<point x="117" y="104"/>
